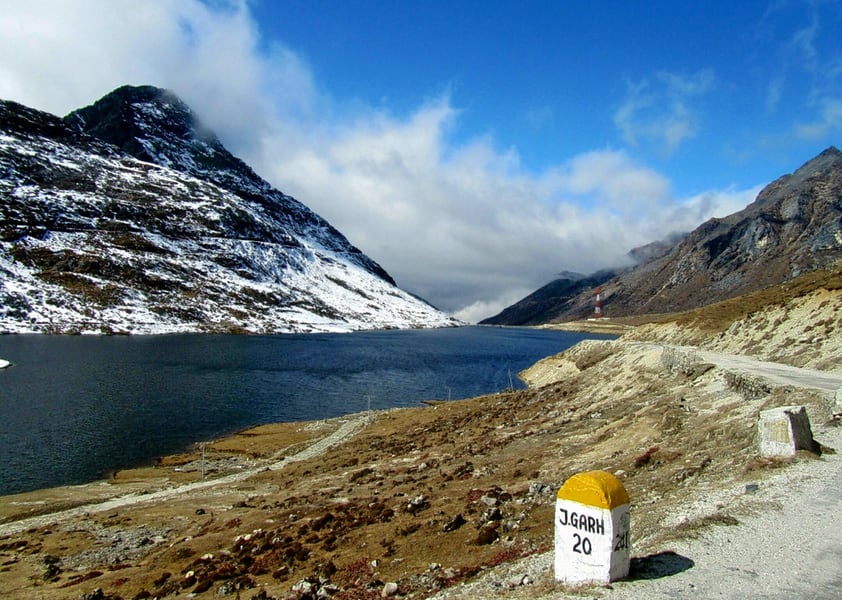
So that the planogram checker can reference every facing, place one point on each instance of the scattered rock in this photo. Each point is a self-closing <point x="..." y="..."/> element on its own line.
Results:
<point x="281" y="572"/>
<point x="52" y="568"/>
<point x="536" y="488"/>
<point x="303" y="587"/>
<point x="417" y="504"/>
<point x="492" y="514"/>
<point x="96" y="594"/>
<point x="517" y="581"/>
<point x="389" y="590"/>
<point x="328" y="590"/>
<point x="488" y="534"/>
<point x="319" y="523"/>
<point x="455" y="523"/>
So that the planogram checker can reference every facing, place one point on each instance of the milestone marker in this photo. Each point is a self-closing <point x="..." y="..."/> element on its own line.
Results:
<point x="592" y="534"/>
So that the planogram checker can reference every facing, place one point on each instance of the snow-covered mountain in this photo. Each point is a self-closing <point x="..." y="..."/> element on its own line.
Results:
<point x="129" y="216"/>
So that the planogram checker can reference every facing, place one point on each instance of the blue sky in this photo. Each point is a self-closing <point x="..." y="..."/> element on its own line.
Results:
<point x="474" y="149"/>
<point x="710" y="92"/>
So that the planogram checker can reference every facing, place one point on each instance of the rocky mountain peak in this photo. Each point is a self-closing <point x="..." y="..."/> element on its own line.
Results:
<point x="823" y="169"/>
<point x="129" y="215"/>
<point x="830" y="153"/>
<point x="130" y="115"/>
<point x="155" y="125"/>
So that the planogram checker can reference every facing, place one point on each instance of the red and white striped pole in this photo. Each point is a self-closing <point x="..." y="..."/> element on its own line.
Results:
<point x="597" y="311"/>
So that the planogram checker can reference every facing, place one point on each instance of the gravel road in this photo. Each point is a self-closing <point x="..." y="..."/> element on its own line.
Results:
<point x="775" y="372"/>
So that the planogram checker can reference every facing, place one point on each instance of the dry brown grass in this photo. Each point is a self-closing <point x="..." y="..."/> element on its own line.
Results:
<point x="718" y="317"/>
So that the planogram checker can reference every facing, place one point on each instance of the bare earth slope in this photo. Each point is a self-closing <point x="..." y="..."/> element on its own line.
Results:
<point x="798" y="323"/>
<point x="456" y="499"/>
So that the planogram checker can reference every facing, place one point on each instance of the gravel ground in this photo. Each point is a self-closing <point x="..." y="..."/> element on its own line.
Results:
<point x="786" y="542"/>
<point x="790" y="547"/>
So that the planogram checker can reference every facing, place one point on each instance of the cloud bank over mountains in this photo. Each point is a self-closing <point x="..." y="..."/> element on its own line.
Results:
<point x="460" y="221"/>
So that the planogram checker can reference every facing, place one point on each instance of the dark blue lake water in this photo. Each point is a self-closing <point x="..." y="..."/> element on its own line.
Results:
<point x="73" y="409"/>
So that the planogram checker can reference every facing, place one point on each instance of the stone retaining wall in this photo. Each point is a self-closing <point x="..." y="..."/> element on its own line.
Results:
<point x="748" y="386"/>
<point x="679" y="360"/>
<point x="687" y="361"/>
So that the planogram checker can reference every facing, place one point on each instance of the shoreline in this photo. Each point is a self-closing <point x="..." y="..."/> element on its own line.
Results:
<point x="166" y="471"/>
<point x="196" y="419"/>
<point x="156" y="493"/>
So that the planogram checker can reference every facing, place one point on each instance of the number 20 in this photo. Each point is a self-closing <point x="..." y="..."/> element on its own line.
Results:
<point x="582" y="545"/>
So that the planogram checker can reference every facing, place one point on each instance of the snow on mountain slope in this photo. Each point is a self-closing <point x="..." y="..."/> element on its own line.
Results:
<point x="95" y="240"/>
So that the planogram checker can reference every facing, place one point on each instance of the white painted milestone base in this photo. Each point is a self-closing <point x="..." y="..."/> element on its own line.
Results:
<point x="784" y="431"/>
<point x="592" y="534"/>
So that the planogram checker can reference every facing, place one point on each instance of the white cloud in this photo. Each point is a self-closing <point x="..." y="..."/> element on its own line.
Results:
<point x="688" y="214"/>
<point x="681" y="87"/>
<point x="482" y="309"/>
<point x="613" y="179"/>
<point x="802" y="44"/>
<point x="805" y="72"/>
<point x="829" y="121"/>
<point x="539" y="117"/>
<point x="462" y="224"/>
<point x="658" y="112"/>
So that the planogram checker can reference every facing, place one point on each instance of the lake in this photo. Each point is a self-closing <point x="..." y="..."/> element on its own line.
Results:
<point x="74" y="408"/>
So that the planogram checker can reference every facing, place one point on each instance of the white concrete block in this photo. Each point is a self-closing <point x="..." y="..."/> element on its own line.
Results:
<point x="784" y="431"/>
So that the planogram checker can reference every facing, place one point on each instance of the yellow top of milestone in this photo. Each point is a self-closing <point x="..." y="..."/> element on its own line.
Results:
<point x="594" y="488"/>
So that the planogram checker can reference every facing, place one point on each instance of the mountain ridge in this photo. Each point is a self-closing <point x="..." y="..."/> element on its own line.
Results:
<point x="794" y="226"/>
<point x="156" y="126"/>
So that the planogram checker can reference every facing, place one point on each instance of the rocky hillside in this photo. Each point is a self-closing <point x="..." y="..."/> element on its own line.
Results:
<point x="549" y="303"/>
<point x="798" y="323"/>
<point x="130" y="216"/>
<point x="793" y="227"/>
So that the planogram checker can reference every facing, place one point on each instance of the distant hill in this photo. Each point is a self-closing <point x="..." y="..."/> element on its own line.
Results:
<point x="548" y="303"/>
<point x="793" y="227"/>
<point x="130" y="216"/>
